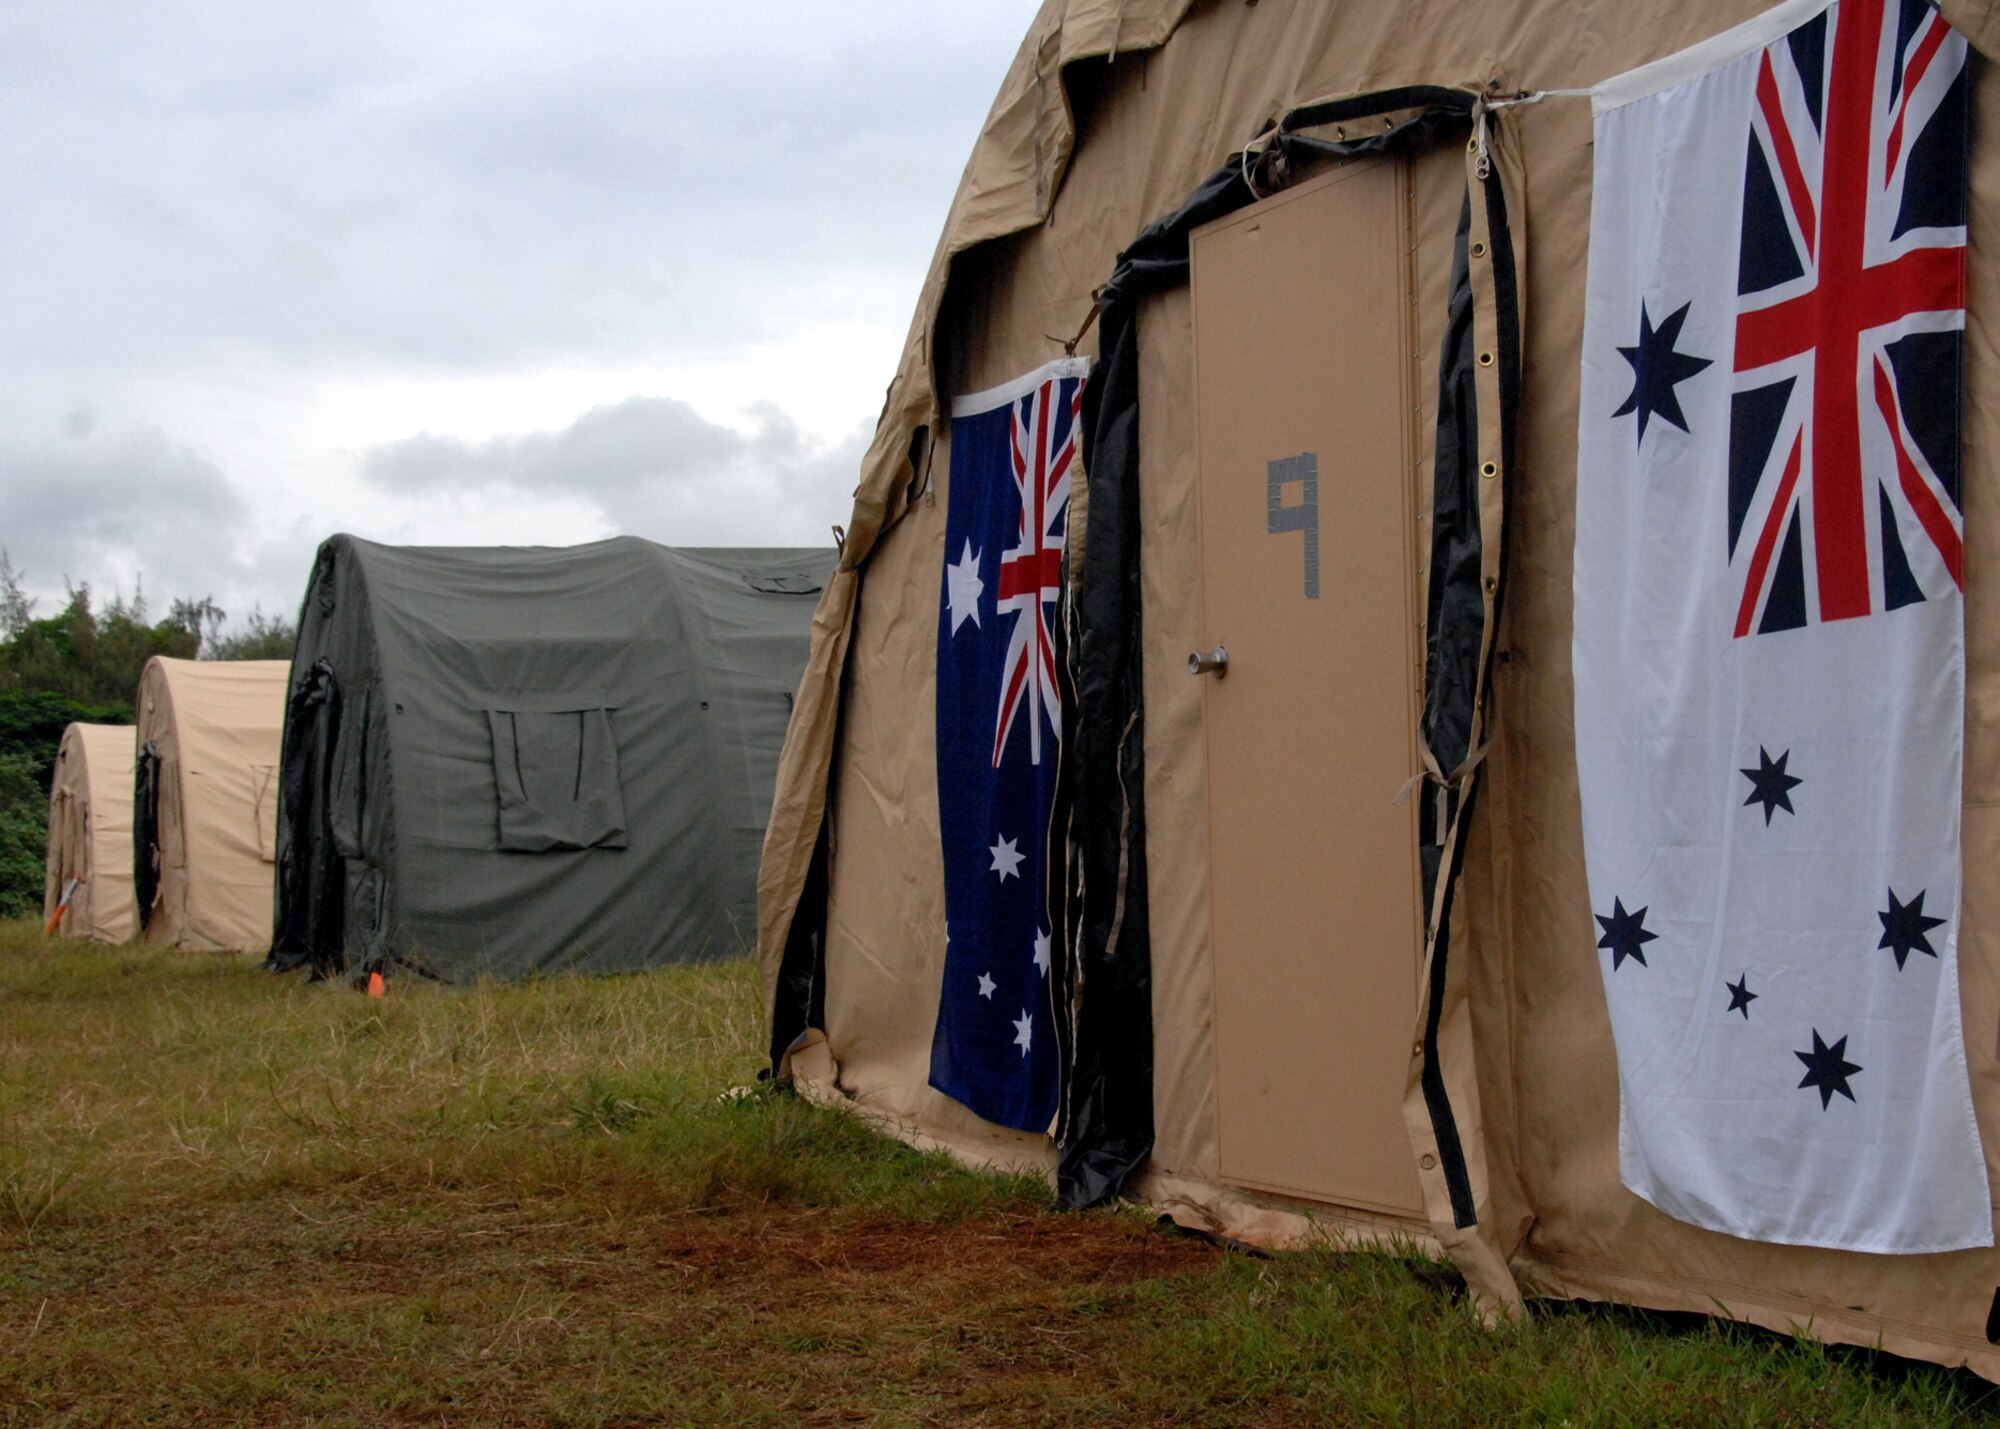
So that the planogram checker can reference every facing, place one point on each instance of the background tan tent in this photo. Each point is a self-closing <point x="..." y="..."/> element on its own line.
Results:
<point x="1111" y="117"/>
<point x="90" y="833"/>
<point x="207" y="803"/>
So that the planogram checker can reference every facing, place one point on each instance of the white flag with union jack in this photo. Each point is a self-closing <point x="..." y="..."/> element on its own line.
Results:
<point x="1769" y="632"/>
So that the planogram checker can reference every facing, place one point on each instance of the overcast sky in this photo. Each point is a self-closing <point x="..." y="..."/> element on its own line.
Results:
<point x="517" y="271"/>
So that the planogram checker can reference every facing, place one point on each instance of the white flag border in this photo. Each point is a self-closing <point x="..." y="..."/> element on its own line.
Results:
<point x="974" y="403"/>
<point x="1753" y="34"/>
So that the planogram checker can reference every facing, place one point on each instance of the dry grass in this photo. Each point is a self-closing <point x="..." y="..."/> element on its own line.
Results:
<point x="229" y="1198"/>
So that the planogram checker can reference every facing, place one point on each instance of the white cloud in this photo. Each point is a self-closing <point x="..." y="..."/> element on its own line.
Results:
<point x="110" y="506"/>
<point x="653" y="467"/>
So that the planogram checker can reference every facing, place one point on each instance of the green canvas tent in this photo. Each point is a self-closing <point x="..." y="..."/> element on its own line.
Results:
<point x="503" y="762"/>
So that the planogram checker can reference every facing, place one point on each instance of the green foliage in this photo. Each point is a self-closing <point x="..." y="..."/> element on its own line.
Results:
<point x="16" y="610"/>
<point x="89" y="656"/>
<point x="31" y="727"/>
<point x="23" y="835"/>
<point x="263" y="637"/>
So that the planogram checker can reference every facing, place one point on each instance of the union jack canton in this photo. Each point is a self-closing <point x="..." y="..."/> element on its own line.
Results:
<point x="1844" y="431"/>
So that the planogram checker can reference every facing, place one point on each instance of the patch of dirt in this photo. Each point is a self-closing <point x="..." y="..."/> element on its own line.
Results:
<point x="333" y="1308"/>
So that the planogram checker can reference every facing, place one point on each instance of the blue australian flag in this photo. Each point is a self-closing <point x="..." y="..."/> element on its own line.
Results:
<point x="998" y="722"/>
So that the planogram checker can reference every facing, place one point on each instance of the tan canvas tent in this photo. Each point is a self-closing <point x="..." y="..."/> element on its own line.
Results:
<point x="206" y="800"/>
<point x="90" y="834"/>
<point x="1296" y="212"/>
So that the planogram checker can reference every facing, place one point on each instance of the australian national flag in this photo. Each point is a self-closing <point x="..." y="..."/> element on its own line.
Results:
<point x="1769" y="631"/>
<point x="1012" y="453"/>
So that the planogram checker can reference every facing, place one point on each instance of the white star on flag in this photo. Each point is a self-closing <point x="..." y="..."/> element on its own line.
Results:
<point x="1042" y="942"/>
<point x="1007" y="858"/>
<point x="1024" y="1031"/>
<point x="963" y="588"/>
<point x="986" y="986"/>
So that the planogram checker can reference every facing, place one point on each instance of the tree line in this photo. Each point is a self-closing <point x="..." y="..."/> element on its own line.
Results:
<point x="82" y="663"/>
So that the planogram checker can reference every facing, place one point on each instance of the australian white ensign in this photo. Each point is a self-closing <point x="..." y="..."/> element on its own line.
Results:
<point x="1769" y="639"/>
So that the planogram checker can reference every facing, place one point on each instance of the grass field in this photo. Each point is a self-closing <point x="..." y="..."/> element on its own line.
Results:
<point x="233" y="1198"/>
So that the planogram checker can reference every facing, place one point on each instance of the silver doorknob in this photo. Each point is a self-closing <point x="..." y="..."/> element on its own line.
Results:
<point x="1209" y="662"/>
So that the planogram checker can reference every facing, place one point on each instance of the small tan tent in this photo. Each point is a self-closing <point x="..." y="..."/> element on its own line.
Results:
<point x="206" y="800"/>
<point x="90" y="834"/>
<point x="1265" y="1034"/>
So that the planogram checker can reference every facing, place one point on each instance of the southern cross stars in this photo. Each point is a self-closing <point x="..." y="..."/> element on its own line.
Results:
<point x="963" y="587"/>
<point x="1625" y="934"/>
<point x="1043" y="943"/>
<point x="986" y="986"/>
<point x="1024" y="1032"/>
<point x="1740" y="996"/>
<point x="1827" y="1070"/>
<point x="1904" y="926"/>
<point x="1007" y="858"/>
<point x="1657" y="370"/>
<point x="1770" y="785"/>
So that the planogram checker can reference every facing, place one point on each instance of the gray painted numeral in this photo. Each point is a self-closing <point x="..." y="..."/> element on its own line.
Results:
<point x="1303" y="469"/>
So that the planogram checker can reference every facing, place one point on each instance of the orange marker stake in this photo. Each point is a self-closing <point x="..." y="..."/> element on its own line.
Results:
<point x="376" y="987"/>
<point x="62" y="907"/>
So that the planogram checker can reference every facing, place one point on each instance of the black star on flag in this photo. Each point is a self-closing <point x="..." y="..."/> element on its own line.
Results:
<point x="1740" y="996"/>
<point x="1827" y="1070"/>
<point x="1770" y="785"/>
<point x="1904" y="926"/>
<point x="1657" y="369"/>
<point x="1625" y="934"/>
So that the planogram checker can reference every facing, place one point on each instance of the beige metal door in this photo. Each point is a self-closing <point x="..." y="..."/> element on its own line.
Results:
<point x="1303" y="391"/>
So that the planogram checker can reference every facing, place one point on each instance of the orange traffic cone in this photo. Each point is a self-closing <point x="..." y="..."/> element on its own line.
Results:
<point x="376" y="987"/>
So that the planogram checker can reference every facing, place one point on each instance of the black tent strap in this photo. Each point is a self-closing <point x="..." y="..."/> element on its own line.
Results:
<point x="1098" y="886"/>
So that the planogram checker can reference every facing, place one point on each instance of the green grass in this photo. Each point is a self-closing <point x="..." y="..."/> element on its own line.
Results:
<point x="232" y="1198"/>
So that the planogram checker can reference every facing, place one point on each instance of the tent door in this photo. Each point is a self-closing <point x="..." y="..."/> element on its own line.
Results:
<point x="1304" y="390"/>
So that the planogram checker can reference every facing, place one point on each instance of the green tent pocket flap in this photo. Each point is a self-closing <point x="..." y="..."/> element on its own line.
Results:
<point x="556" y="775"/>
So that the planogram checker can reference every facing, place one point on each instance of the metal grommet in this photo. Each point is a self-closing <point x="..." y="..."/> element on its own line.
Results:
<point x="1340" y="131"/>
<point x="1479" y="250"/>
<point x="1491" y="585"/>
<point x="1416" y="1049"/>
<point x="1489" y="469"/>
<point x="1471" y="146"/>
<point x="1429" y="1162"/>
<point x="1485" y="359"/>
